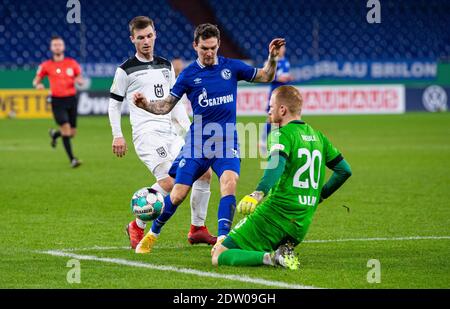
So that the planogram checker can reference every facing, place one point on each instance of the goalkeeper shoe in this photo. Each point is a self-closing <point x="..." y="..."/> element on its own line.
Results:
<point x="285" y="257"/>
<point x="201" y="235"/>
<point x="135" y="233"/>
<point x="147" y="243"/>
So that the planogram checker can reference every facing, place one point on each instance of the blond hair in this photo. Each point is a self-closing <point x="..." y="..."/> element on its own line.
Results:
<point x="290" y="97"/>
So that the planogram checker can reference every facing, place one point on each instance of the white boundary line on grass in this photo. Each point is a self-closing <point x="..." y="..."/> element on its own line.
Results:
<point x="187" y="271"/>
<point x="378" y="239"/>
<point x="312" y="241"/>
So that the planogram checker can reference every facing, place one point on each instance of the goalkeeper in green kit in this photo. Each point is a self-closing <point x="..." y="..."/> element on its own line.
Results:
<point x="294" y="184"/>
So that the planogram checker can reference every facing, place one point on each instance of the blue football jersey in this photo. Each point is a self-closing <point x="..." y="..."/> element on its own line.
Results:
<point x="212" y="91"/>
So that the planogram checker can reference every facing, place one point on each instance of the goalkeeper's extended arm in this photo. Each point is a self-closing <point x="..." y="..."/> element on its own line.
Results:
<point x="341" y="172"/>
<point x="272" y="174"/>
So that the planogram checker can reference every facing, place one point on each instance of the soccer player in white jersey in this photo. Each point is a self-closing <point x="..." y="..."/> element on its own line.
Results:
<point x="154" y="137"/>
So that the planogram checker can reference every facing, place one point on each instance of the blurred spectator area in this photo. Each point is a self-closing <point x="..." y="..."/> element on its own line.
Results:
<point x="102" y="37"/>
<point x="315" y="30"/>
<point x="338" y="30"/>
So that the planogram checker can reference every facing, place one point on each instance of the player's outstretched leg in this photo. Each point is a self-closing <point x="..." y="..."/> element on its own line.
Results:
<point x="222" y="255"/>
<point x="284" y="256"/>
<point x="149" y="240"/>
<point x="171" y="202"/>
<point x="135" y="229"/>
<point x="227" y="204"/>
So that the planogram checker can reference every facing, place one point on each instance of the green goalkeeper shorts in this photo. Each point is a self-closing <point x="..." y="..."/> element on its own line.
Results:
<point x="256" y="233"/>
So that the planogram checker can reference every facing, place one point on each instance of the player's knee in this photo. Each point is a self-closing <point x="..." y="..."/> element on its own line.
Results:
<point x="178" y="194"/>
<point x="166" y="183"/>
<point x="73" y="132"/>
<point x="177" y="198"/>
<point x="228" y="185"/>
<point x="206" y="176"/>
<point x="66" y="130"/>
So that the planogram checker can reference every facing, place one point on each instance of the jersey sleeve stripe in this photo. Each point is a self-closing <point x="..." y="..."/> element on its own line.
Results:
<point x="331" y="164"/>
<point x="254" y="74"/>
<point x="175" y="95"/>
<point x="280" y="153"/>
<point x="116" y="97"/>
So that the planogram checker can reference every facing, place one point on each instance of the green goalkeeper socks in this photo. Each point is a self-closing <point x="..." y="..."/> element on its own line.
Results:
<point x="237" y="257"/>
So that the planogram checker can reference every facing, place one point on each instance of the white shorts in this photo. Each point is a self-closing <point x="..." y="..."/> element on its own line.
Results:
<point x="155" y="149"/>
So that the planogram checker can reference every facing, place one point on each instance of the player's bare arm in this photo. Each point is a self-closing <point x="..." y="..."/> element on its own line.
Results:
<point x="79" y="80"/>
<point x="37" y="83"/>
<point x="157" y="107"/>
<point x="267" y="73"/>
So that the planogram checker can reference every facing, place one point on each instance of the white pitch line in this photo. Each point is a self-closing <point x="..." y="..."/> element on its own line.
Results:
<point x="311" y="241"/>
<point x="188" y="271"/>
<point x="101" y="248"/>
<point x="95" y="248"/>
<point x="377" y="239"/>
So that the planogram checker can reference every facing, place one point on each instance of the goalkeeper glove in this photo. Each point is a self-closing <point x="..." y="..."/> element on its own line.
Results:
<point x="248" y="203"/>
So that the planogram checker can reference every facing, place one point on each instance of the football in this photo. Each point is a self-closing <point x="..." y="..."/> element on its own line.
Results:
<point x="147" y="204"/>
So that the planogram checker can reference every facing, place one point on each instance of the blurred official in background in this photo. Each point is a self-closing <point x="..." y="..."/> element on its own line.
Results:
<point x="63" y="73"/>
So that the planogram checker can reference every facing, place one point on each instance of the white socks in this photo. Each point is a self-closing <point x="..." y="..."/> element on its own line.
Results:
<point x="158" y="188"/>
<point x="199" y="202"/>
<point x="141" y="224"/>
<point x="267" y="260"/>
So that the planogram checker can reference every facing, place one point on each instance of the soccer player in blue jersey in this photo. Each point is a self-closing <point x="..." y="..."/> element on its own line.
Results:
<point x="210" y="84"/>
<point x="282" y="77"/>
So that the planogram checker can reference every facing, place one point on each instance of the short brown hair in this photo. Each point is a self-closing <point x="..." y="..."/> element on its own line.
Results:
<point x="206" y="31"/>
<point x="56" y="37"/>
<point x="290" y="97"/>
<point x="140" y="22"/>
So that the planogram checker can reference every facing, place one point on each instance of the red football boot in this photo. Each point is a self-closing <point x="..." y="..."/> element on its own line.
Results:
<point x="135" y="233"/>
<point x="201" y="235"/>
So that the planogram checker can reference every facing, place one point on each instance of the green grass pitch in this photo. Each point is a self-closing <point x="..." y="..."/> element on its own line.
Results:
<point x="399" y="189"/>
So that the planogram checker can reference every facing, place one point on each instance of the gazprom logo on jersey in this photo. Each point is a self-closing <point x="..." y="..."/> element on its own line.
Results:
<point x="204" y="101"/>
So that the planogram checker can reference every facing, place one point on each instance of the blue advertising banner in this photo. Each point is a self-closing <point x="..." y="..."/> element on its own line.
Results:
<point x="432" y="98"/>
<point x="366" y="70"/>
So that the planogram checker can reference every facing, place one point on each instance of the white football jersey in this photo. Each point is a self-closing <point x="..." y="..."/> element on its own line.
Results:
<point x="152" y="78"/>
